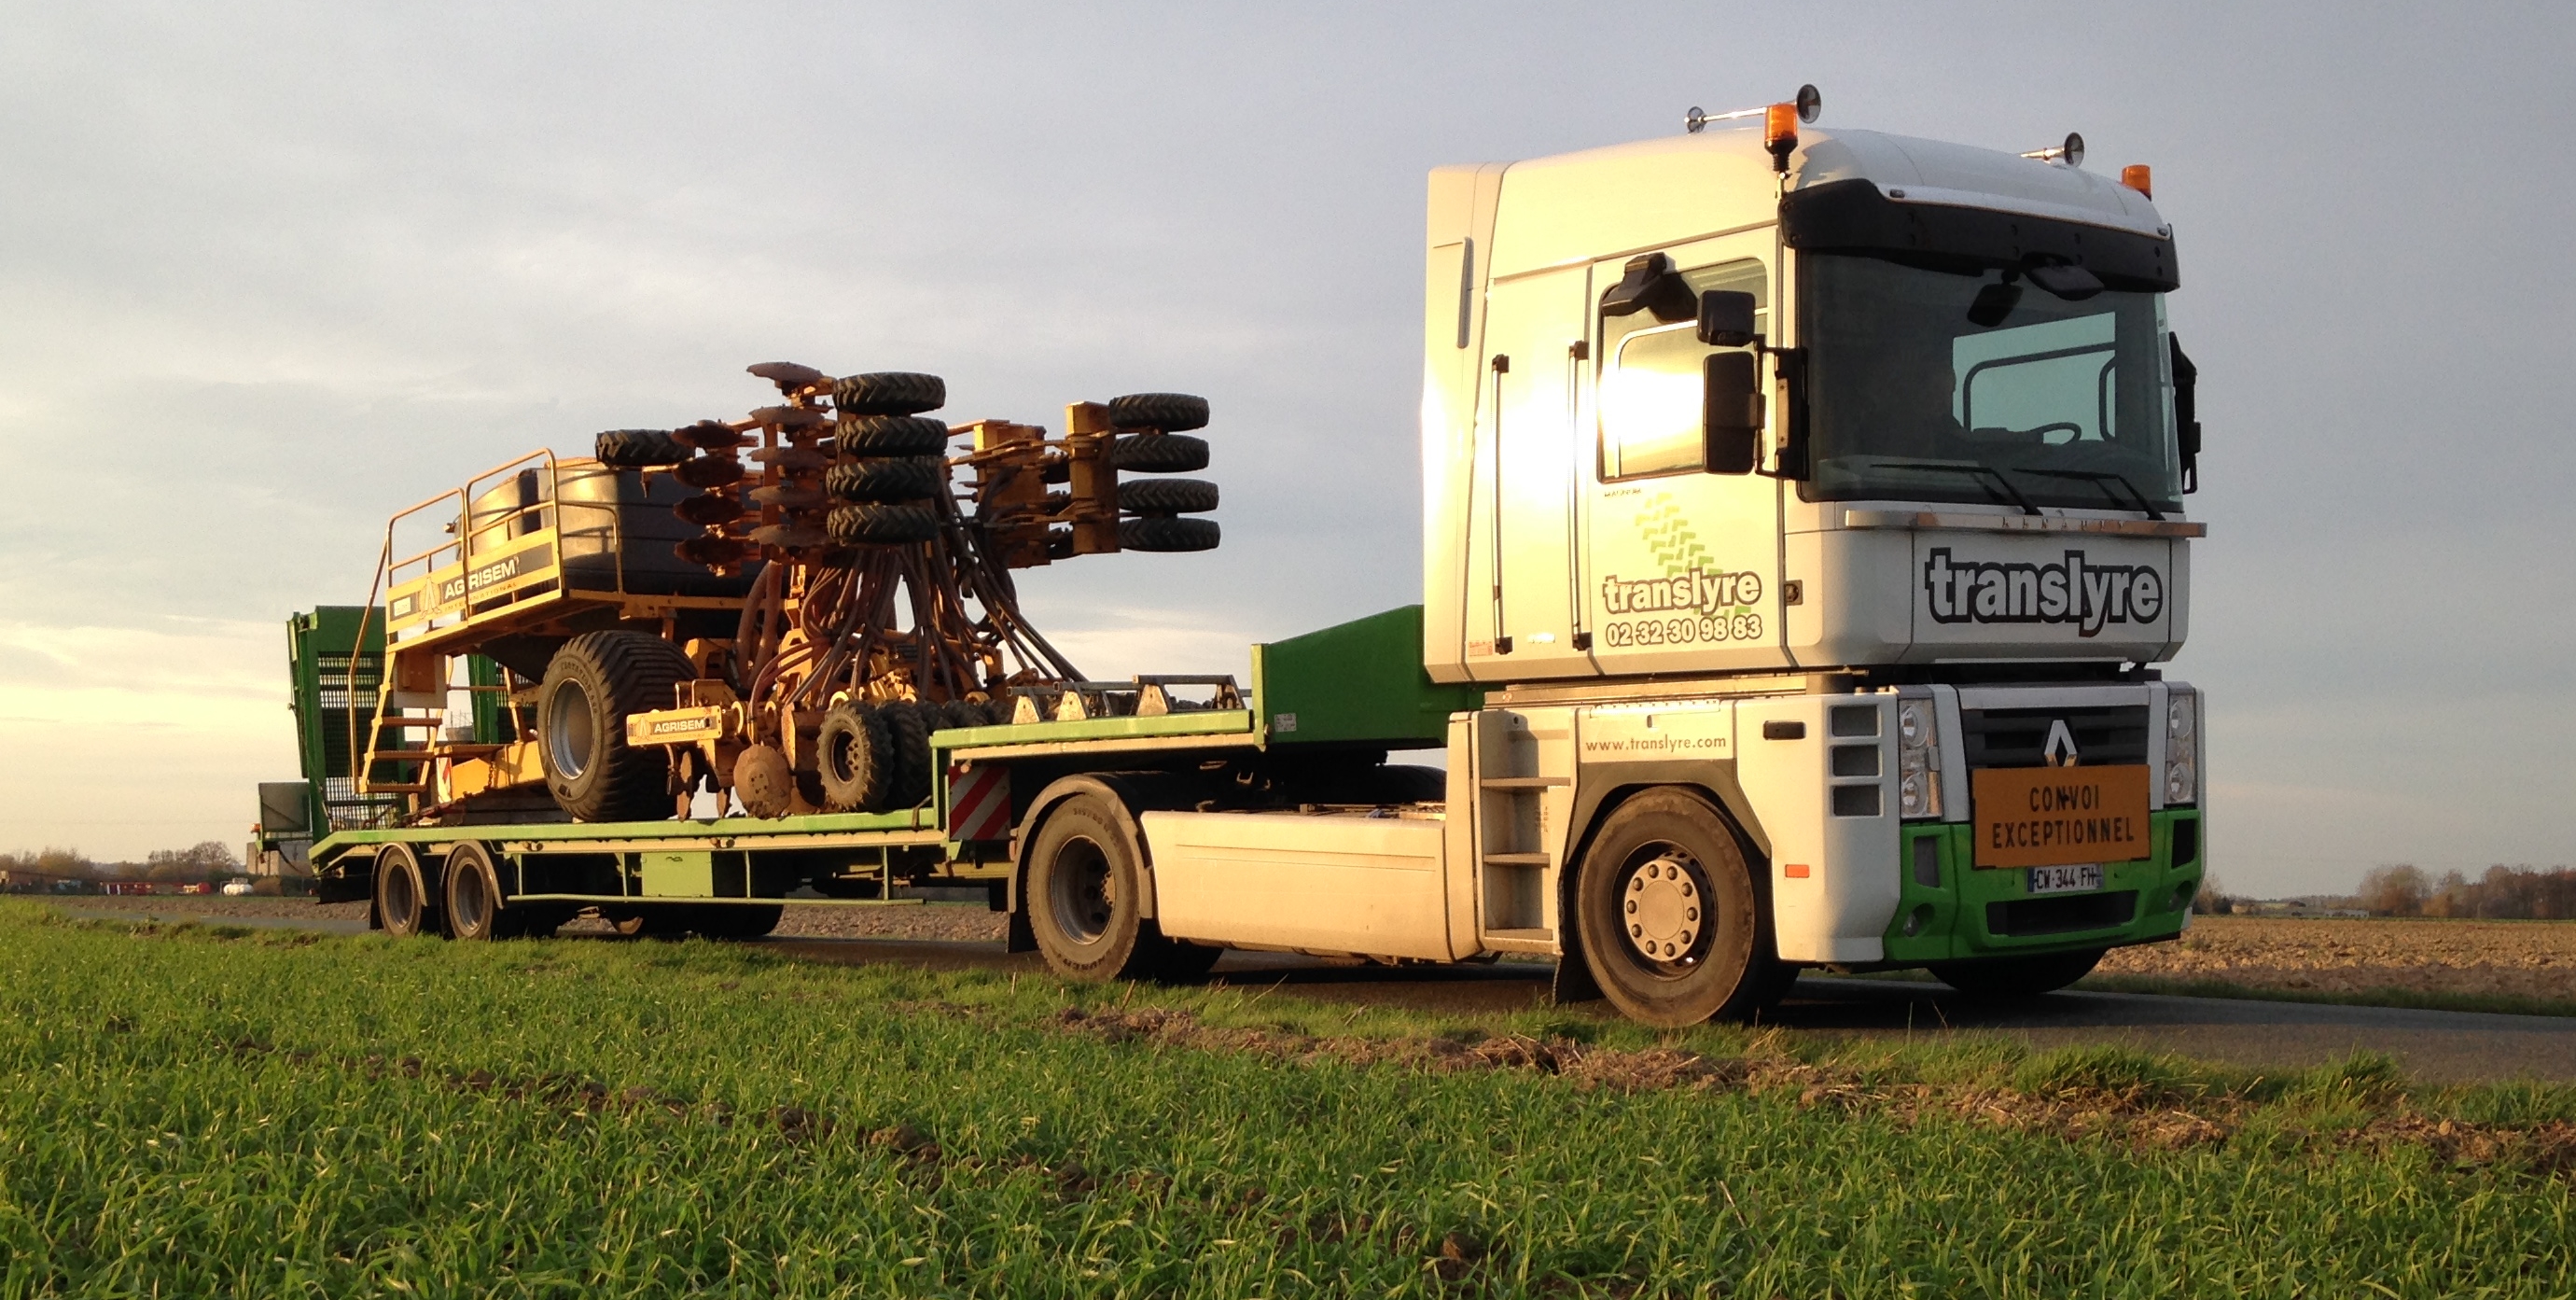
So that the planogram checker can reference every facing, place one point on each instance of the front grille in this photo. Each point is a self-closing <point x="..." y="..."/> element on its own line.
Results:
<point x="2061" y="915"/>
<point x="2105" y="735"/>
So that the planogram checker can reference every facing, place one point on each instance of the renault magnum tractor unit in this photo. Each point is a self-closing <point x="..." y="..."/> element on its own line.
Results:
<point x="1802" y="528"/>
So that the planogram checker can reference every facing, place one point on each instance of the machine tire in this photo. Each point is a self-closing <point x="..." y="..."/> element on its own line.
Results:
<point x="889" y="392"/>
<point x="1159" y="453"/>
<point x="957" y="714"/>
<point x="1166" y="412"/>
<point x="908" y="724"/>
<point x="881" y="524"/>
<point x="593" y="682"/>
<point x="887" y="478"/>
<point x="854" y="757"/>
<point x="764" y="782"/>
<point x="1167" y="496"/>
<point x="638" y="448"/>
<point x="890" y="435"/>
<point x="402" y="906"/>
<point x="1086" y="895"/>
<point x="1172" y="534"/>
<point x="1667" y="871"/>
<point x="471" y="892"/>
<point x="2000" y="978"/>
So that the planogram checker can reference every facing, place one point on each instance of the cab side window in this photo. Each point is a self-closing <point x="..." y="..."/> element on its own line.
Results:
<point x="1650" y="379"/>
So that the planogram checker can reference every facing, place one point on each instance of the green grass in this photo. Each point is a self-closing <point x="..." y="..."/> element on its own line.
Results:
<point x="200" y="1111"/>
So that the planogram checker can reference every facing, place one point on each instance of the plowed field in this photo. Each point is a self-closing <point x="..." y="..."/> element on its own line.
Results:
<point x="2521" y="959"/>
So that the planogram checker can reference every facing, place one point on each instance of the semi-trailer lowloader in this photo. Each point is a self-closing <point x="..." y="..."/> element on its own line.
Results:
<point x="1802" y="529"/>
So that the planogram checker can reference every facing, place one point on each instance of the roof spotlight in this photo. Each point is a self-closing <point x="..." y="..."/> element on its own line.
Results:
<point x="1811" y="104"/>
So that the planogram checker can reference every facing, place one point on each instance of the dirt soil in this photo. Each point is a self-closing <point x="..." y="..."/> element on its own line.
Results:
<point x="2531" y="959"/>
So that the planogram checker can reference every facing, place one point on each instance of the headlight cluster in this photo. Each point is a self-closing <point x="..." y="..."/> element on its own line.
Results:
<point x="1918" y="760"/>
<point x="2182" y="726"/>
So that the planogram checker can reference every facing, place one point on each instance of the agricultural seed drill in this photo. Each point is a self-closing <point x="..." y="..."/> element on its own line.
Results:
<point x="779" y="608"/>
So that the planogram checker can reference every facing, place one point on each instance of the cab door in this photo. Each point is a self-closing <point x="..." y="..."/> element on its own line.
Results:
<point x="1681" y="567"/>
<point x="1526" y="489"/>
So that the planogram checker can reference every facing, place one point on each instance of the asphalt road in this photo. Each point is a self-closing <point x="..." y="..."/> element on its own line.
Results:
<point x="2439" y="1046"/>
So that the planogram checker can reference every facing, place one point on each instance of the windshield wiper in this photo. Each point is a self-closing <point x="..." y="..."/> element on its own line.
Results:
<point x="2103" y="479"/>
<point x="2010" y="493"/>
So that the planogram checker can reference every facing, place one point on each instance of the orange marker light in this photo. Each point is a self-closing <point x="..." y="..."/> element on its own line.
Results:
<point x="2139" y="177"/>
<point x="1780" y="133"/>
<point x="1794" y="870"/>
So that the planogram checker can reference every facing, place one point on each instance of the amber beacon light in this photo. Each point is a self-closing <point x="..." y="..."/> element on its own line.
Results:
<point x="2139" y="177"/>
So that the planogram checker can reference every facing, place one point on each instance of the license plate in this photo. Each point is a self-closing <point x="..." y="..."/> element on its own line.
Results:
<point x="2066" y="880"/>
<point x="2059" y="816"/>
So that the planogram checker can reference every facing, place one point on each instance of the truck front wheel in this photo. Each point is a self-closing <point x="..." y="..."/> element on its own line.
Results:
<point x="1673" y="927"/>
<point x="1086" y="896"/>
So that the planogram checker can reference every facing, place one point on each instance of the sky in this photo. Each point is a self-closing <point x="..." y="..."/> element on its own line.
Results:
<point x="269" y="273"/>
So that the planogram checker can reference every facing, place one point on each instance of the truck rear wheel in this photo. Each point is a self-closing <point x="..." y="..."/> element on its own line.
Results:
<point x="1674" y="928"/>
<point x="594" y="681"/>
<point x="1085" y="896"/>
<point x="402" y="893"/>
<point x="2017" y="977"/>
<point x="472" y="891"/>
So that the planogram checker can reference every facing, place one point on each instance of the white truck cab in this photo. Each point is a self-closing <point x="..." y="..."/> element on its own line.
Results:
<point x="1838" y="477"/>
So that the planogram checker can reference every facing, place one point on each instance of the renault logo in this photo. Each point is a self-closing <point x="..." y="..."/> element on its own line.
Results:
<point x="2060" y="749"/>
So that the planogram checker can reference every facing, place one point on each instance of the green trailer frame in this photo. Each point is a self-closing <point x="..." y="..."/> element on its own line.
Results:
<point x="1354" y="687"/>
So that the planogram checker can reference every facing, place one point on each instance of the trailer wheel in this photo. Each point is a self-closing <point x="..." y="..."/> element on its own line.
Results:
<point x="854" y="756"/>
<point x="1673" y="925"/>
<point x="1086" y="895"/>
<point x="593" y="682"/>
<point x="402" y="893"/>
<point x="472" y="891"/>
<point x="2017" y="977"/>
<point x="1168" y="412"/>
<point x="1171" y="534"/>
<point x="1159" y="453"/>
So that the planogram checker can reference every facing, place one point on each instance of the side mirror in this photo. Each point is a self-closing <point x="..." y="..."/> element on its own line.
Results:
<point x="1731" y="420"/>
<point x="1726" y="318"/>
<point x="2186" y="410"/>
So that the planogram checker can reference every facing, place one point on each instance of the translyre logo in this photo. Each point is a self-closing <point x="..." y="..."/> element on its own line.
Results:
<point x="2073" y="591"/>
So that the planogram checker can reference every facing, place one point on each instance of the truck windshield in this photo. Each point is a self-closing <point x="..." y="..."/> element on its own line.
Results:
<point x="1947" y="386"/>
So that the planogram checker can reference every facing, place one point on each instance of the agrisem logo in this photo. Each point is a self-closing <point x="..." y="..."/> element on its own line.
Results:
<point x="2090" y="596"/>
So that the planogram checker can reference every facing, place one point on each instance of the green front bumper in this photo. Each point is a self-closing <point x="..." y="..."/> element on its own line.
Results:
<point x="1951" y="909"/>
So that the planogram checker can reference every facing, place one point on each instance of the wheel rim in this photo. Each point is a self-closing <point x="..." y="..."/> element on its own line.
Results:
<point x="569" y="734"/>
<point x="1664" y="913"/>
<point x="470" y="903"/>
<point x="1083" y="891"/>
<point x="838" y="745"/>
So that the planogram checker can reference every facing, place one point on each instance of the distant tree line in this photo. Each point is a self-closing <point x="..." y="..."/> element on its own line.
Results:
<point x="2503" y="893"/>
<point x="207" y="861"/>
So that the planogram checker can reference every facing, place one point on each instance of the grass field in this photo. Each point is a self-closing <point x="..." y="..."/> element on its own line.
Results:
<point x="196" y="1112"/>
